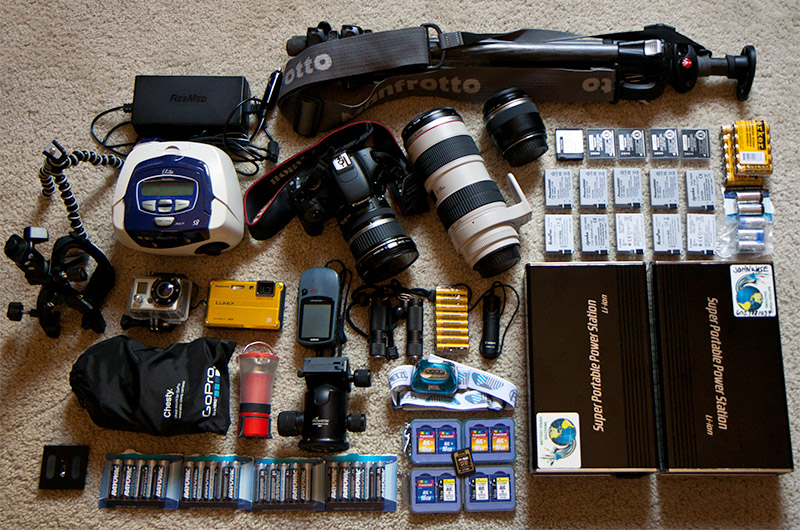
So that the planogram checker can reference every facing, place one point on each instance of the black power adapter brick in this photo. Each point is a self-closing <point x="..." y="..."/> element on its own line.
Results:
<point x="180" y="107"/>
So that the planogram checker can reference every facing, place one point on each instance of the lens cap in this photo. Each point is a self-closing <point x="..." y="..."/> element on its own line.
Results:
<point x="498" y="261"/>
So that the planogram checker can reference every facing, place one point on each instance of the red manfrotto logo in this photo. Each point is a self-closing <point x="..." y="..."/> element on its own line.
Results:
<point x="686" y="62"/>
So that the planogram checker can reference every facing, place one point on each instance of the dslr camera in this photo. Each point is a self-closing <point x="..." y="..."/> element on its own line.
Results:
<point x="351" y="188"/>
<point x="160" y="302"/>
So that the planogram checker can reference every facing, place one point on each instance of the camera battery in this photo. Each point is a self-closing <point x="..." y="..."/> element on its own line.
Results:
<point x="594" y="234"/>
<point x="558" y="234"/>
<point x="569" y="144"/>
<point x="558" y="188"/>
<point x="628" y="187"/>
<point x="700" y="190"/>
<point x="632" y="143"/>
<point x="601" y="144"/>
<point x="695" y="143"/>
<point x="630" y="233"/>
<point x="666" y="233"/>
<point x="664" y="188"/>
<point x="593" y="188"/>
<point x="701" y="233"/>
<point x="664" y="143"/>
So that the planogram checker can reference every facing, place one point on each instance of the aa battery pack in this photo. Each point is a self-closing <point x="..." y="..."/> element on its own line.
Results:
<point x="723" y="397"/>
<point x="141" y="481"/>
<point x="591" y="399"/>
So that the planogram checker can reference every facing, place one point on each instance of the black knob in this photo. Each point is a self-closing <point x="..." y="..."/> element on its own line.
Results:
<point x="362" y="378"/>
<point x="290" y="423"/>
<point x="15" y="311"/>
<point x="356" y="422"/>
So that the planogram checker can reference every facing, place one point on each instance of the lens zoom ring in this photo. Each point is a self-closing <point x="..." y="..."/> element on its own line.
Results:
<point x="374" y="236"/>
<point x="443" y="153"/>
<point x="468" y="198"/>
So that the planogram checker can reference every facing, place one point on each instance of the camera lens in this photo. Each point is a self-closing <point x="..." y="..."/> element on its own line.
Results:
<point x="468" y="202"/>
<point x="515" y="126"/>
<point x="377" y="241"/>
<point x="165" y="291"/>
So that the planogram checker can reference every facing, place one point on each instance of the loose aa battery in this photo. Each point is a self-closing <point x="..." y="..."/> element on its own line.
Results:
<point x="752" y="221"/>
<point x="144" y="479"/>
<point x="208" y="482"/>
<point x="188" y="482"/>
<point x="344" y="481"/>
<point x="228" y="482"/>
<point x="377" y="481"/>
<point x="305" y="483"/>
<point x="750" y="208"/>
<point x="197" y="481"/>
<point x="333" y="481"/>
<point x="293" y="483"/>
<point x="358" y="481"/>
<point x="276" y="486"/>
<point x="262" y="484"/>
<point x="115" y="479"/>
<point x="129" y="476"/>
<point x="159" y="480"/>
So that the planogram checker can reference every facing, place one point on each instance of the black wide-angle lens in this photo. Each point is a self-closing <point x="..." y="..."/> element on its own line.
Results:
<point x="380" y="246"/>
<point x="515" y="126"/>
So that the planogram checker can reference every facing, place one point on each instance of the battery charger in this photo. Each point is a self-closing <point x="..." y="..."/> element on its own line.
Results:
<point x="181" y="107"/>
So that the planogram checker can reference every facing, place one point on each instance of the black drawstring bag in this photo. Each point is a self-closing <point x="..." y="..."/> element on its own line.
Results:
<point x="182" y="389"/>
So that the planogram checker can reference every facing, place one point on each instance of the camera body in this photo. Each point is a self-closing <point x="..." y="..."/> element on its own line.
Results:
<point x="351" y="189"/>
<point x="160" y="300"/>
<point x="325" y="422"/>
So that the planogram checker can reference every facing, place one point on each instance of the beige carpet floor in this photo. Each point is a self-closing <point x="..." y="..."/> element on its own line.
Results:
<point x="63" y="62"/>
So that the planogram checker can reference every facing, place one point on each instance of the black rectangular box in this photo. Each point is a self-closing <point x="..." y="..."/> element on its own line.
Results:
<point x="590" y="377"/>
<point x="722" y="387"/>
<point x="177" y="107"/>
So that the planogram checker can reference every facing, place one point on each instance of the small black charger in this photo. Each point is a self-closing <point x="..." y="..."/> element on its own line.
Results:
<point x="181" y="107"/>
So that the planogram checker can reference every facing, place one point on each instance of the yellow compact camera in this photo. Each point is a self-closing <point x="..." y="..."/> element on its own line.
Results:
<point x="253" y="305"/>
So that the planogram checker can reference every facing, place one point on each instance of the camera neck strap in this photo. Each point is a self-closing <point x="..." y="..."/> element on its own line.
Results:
<point x="263" y="193"/>
<point x="399" y="63"/>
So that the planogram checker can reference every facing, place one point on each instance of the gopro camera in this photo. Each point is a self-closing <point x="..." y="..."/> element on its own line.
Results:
<point x="160" y="302"/>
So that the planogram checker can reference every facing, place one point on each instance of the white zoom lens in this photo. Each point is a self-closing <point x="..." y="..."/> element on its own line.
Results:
<point x="482" y="228"/>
